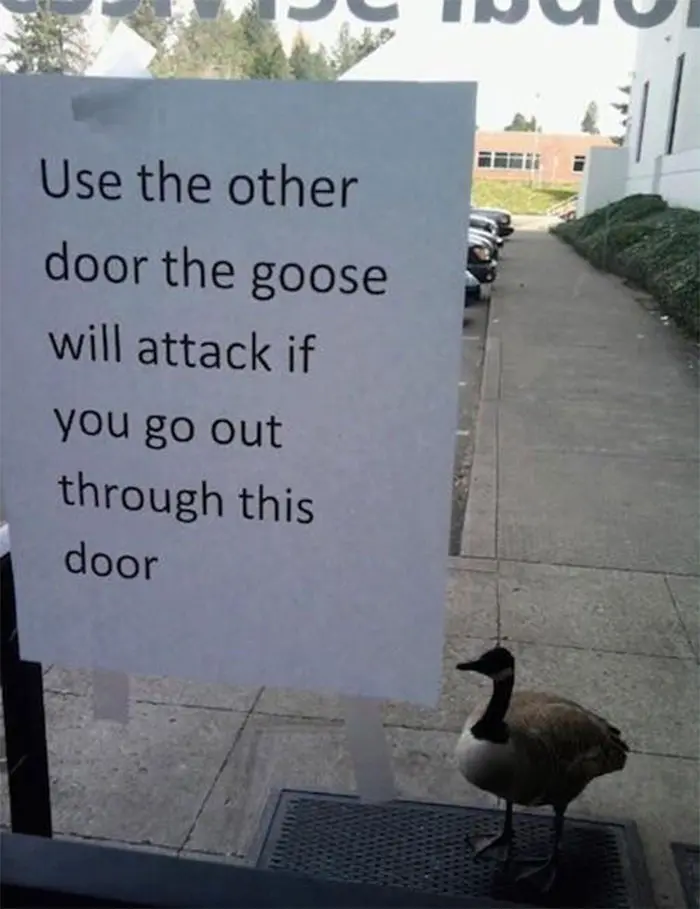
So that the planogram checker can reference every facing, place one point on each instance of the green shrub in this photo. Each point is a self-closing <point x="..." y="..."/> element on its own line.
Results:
<point x="676" y="287"/>
<point x="603" y="247"/>
<point x="667" y="243"/>
<point x="656" y="247"/>
<point x="633" y="208"/>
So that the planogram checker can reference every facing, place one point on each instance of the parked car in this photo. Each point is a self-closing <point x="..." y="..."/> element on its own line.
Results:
<point x="503" y="218"/>
<point x="492" y="242"/>
<point x="480" y="259"/>
<point x="480" y="222"/>
<point x="472" y="287"/>
<point x="487" y="226"/>
<point x="488" y="239"/>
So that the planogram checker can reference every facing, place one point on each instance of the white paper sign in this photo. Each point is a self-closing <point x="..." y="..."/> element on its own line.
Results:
<point x="231" y="330"/>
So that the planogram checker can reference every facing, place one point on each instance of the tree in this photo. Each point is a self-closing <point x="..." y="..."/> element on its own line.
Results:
<point x="208" y="48"/>
<point x="306" y="64"/>
<point x="344" y="51"/>
<point x="267" y="59"/>
<point x="322" y="64"/>
<point x="520" y="124"/>
<point x="624" y="108"/>
<point x="45" y="42"/>
<point x="348" y="50"/>
<point x="150" y="27"/>
<point x="589" y="124"/>
<point x="370" y="41"/>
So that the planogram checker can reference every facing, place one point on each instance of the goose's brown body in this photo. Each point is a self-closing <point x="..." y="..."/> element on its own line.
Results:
<point x="553" y="748"/>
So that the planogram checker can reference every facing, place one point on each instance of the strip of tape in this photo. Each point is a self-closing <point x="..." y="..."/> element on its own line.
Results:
<point x="124" y="55"/>
<point x="369" y="750"/>
<point x="110" y="695"/>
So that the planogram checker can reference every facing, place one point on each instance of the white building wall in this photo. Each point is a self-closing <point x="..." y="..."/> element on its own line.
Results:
<point x="676" y="176"/>
<point x="604" y="179"/>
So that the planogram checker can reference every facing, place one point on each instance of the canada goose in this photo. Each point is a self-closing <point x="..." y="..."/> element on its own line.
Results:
<point x="532" y="748"/>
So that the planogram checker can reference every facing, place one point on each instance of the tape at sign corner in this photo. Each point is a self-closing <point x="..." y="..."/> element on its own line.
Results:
<point x="369" y="749"/>
<point x="4" y="539"/>
<point x="110" y="696"/>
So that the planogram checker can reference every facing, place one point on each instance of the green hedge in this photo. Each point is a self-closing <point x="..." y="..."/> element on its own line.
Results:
<point x="644" y="240"/>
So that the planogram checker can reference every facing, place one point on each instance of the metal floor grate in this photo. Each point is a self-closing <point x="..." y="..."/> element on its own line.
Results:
<point x="421" y="846"/>
<point x="687" y="860"/>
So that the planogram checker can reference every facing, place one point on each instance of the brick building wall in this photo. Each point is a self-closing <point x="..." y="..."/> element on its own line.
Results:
<point x="545" y="158"/>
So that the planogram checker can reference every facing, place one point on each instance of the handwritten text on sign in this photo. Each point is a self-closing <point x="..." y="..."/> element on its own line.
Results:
<point x="231" y="331"/>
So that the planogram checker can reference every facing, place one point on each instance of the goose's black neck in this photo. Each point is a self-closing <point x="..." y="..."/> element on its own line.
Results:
<point x="492" y="726"/>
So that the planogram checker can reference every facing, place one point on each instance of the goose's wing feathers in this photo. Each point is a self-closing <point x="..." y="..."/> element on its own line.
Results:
<point x="561" y="733"/>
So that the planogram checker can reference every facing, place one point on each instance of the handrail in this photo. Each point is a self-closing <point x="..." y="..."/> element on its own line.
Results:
<point x="564" y="207"/>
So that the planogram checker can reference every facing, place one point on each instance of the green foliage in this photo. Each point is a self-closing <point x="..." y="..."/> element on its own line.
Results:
<point x="247" y="47"/>
<point x="209" y="48"/>
<point x="521" y="124"/>
<point x="589" y="124"/>
<point x="370" y="41"/>
<point x="44" y="42"/>
<point x="676" y="286"/>
<point x="632" y="208"/>
<point x="149" y="26"/>
<point x="307" y="64"/>
<point x="344" y="51"/>
<point x="348" y="50"/>
<point x="624" y="108"/>
<point x="266" y="56"/>
<point x="656" y="247"/>
<point x="603" y="246"/>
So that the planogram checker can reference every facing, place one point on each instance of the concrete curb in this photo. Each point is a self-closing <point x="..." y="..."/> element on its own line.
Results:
<point x="491" y="380"/>
<point x="479" y="529"/>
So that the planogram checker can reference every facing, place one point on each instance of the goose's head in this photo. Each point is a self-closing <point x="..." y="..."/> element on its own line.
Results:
<point x="497" y="663"/>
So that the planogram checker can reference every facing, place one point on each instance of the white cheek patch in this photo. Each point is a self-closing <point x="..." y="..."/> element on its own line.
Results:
<point x="503" y="675"/>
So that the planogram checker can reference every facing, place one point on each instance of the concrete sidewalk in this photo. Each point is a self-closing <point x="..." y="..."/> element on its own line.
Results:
<point x="584" y="500"/>
<point x="579" y="550"/>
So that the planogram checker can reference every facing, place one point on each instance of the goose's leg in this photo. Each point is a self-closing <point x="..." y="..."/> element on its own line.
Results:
<point x="543" y="874"/>
<point x="499" y="846"/>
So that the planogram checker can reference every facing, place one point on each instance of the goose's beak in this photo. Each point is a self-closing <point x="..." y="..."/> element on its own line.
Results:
<point x="470" y="666"/>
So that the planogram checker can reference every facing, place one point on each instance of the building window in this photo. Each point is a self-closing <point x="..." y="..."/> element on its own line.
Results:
<point x="579" y="164"/>
<point x="642" y="120"/>
<point x="677" y="83"/>
<point x="508" y="160"/>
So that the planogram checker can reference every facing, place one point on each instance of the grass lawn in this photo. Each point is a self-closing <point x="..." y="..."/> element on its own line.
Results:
<point x="519" y="198"/>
